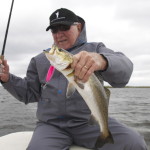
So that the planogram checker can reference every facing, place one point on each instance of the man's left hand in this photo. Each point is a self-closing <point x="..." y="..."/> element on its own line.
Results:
<point x="85" y="63"/>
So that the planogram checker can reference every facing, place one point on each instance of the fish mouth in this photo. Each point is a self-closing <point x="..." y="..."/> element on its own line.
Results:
<point x="48" y="52"/>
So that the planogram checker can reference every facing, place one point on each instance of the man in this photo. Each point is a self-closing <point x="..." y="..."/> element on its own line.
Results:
<point x="62" y="121"/>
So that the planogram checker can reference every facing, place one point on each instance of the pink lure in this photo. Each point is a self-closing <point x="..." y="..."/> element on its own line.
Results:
<point x="50" y="73"/>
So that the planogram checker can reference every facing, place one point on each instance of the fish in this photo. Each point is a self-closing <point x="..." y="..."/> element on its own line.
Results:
<point x="92" y="91"/>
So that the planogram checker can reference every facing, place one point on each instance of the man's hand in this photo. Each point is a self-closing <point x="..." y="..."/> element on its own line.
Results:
<point x="85" y="63"/>
<point x="4" y="76"/>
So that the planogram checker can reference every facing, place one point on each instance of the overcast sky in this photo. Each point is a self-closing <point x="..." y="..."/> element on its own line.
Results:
<point x="122" y="25"/>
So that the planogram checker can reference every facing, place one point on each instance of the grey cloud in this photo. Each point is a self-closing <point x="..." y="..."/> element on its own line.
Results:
<point x="127" y="30"/>
<point x="137" y="12"/>
<point x="141" y="73"/>
<point x="142" y="63"/>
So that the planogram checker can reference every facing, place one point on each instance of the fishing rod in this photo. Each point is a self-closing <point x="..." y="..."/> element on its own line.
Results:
<point x="5" y="39"/>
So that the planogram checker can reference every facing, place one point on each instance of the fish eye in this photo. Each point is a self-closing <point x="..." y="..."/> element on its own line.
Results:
<point x="60" y="50"/>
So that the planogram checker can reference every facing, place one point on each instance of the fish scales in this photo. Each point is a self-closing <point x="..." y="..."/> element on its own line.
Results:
<point x="93" y="92"/>
<point x="101" y="103"/>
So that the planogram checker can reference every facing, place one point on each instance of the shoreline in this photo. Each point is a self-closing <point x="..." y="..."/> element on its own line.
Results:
<point x="130" y="87"/>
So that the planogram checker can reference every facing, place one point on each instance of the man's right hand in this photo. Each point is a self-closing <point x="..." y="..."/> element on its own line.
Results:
<point x="4" y="76"/>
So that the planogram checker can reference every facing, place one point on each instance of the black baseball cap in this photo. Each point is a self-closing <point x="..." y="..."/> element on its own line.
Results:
<point x="63" y="16"/>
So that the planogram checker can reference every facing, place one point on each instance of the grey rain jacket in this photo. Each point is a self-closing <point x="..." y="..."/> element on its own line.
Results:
<point x="51" y="96"/>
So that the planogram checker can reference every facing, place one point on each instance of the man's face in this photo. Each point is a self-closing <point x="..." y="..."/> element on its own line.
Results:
<point x="65" y="37"/>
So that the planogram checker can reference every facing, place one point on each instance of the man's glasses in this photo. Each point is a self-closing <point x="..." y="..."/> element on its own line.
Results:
<point x="61" y="27"/>
<point x="57" y="28"/>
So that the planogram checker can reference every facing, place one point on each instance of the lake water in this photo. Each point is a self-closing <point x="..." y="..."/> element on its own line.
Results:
<point x="129" y="105"/>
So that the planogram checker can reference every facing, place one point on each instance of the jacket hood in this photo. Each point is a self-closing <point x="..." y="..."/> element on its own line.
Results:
<point x="82" y="37"/>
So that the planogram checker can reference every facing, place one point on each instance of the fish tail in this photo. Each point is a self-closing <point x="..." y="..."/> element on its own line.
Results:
<point x="101" y="140"/>
<point x="110" y="139"/>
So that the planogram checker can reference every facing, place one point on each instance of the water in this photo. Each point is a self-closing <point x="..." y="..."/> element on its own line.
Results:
<point x="129" y="105"/>
<point x="132" y="107"/>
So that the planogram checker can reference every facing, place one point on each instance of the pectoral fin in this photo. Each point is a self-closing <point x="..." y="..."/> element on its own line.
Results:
<point x="79" y="83"/>
<point x="70" y="90"/>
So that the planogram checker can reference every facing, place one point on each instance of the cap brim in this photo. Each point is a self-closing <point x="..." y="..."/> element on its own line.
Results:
<point x="60" y="22"/>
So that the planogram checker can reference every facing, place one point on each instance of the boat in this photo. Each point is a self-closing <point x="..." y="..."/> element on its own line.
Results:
<point x="20" y="141"/>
